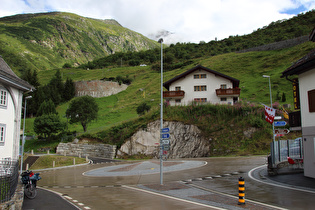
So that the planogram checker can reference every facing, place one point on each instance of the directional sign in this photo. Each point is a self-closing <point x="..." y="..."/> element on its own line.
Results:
<point x="165" y="135"/>
<point x="280" y="123"/>
<point x="165" y="130"/>
<point x="166" y="147"/>
<point x="165" y="141"/>
<point x="282" y="131"/>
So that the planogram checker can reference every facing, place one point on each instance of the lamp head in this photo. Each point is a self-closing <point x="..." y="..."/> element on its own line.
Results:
<point x="266" y="76"/>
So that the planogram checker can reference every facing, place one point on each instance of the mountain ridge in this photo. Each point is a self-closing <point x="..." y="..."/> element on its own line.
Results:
<point x="44" y="41"/>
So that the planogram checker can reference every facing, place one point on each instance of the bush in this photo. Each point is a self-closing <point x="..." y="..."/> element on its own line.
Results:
<point x="142" y="108"/>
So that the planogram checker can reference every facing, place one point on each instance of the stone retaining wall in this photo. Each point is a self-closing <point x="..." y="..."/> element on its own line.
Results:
<point x="90" y="150"/>
<point x="278" y="45"/>
<point x="16" y="201"/>
<point x="98" y="88"/>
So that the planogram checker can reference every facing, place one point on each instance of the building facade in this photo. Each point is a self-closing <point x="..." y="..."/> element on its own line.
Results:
<point x="11" y="94"/>
<point x="201" y="85"/>
<point x="304" y="69"/>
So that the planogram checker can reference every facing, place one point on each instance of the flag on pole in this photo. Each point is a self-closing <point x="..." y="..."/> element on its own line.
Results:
<point x="285" y="113"/>
<point x="269" y="114"/>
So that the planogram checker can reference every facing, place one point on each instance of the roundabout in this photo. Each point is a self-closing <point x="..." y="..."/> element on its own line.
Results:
<point x="143" y="168"/>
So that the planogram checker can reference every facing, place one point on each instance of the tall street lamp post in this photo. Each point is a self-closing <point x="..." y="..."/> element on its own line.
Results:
<point x="23" y="137"/>
<point x="273" y="125"/>
<point x="161" y="125"/>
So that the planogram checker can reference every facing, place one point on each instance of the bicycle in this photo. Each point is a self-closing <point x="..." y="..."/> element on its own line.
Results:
<point x="29" y="179"/>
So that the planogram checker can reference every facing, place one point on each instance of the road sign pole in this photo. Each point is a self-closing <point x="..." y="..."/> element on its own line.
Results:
<point x="161" y="126"/>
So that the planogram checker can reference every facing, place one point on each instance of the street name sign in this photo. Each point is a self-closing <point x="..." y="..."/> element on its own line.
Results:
<point x="280" y="123"/>
<point x="165" y="141"/>
<point x="165" y="130"/>
<point x="165" y="135"/>
<point x="166" y="147"/>
<point x="282" y="131"/>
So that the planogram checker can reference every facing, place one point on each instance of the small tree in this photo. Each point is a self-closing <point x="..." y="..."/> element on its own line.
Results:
<point x="48" y="124"/>
<point x="82" y="109"/>
<point x="69" y="92"/>
<point x="142" y="108"/>
<point x="283" y="97"/>
<point x="47" y="107"/>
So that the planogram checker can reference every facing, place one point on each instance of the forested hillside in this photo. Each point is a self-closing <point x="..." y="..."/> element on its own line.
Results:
<point x="181" y="54"/>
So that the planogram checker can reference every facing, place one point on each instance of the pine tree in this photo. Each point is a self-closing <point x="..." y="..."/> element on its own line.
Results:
<point x="69" y="91"/>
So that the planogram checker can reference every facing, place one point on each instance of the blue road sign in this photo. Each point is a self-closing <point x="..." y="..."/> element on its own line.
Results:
<point x="280" y="123"/>
<point x="165" y="130"/>
<point x="165" y="135"/>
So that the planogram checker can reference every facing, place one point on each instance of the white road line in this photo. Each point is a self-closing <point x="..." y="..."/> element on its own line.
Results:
<point x="235" y="197"/>
<point x="171" y="197"/>
<point x="290" y="187"/>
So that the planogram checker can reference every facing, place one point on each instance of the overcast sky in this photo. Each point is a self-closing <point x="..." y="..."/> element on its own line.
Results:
<point x="187" y="20"/>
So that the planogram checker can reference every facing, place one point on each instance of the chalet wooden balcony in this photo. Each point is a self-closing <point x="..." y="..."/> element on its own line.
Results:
<point x="174" y="94"/>
<point x="228" y="92"/>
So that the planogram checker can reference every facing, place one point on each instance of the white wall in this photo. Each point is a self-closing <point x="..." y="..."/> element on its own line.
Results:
<point x="212" y="82"/>
<point x="11" y="118"/>
<point x="306" y="83"/>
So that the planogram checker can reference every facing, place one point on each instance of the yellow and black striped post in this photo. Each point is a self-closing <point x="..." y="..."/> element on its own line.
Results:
<point x="241" y="191"/>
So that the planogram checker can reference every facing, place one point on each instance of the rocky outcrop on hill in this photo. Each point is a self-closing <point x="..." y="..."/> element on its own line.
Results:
<point x="186" y="141"/>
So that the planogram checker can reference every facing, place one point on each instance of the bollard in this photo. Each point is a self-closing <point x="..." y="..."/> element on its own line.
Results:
<point x="73" y="161"/>
<point x="27" y="166"/>
<point x="54" y="164"/>
<point x="241" y="191"/>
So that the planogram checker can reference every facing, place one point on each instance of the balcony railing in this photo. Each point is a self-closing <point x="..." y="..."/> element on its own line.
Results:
<point x="228" y="91"/>
<point x="174" y="94"/>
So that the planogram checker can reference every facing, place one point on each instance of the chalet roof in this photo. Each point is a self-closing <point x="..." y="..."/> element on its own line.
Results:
<point x="235" y="82"/>
<point x="7" y="76"/>
<point x="304" y="64"/>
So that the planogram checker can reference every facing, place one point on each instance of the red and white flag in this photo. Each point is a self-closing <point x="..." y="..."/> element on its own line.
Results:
<point x="269" y="114"/>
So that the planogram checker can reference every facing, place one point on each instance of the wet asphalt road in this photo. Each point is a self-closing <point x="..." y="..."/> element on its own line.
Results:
<point x="119" y="192"/>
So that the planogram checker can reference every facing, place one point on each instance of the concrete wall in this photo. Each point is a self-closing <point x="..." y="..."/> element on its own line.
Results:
<point x="90" y="150"/>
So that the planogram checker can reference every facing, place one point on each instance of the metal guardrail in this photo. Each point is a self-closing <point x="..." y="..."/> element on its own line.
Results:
<point x="9" y="178"/>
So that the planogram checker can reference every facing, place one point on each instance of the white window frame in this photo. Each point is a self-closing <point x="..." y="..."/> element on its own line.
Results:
<point x="3" y="98"/>
<point x="2" y="133"/>
<point x="200" y="88"/>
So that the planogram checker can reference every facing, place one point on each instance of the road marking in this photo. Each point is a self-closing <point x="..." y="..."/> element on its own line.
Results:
<point x="236" y="197"/>
<point x="286" y="186"/>
<point x="171" y="197"/>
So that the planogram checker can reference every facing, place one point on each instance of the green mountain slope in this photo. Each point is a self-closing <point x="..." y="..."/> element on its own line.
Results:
<point x="247" y="67"/>
<point x="49" y="40"/>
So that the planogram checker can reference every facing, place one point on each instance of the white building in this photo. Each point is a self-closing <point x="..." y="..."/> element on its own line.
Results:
<point x="305" y="71"/>
<point x="11" y="94"/>
<point x="202" y="85"/>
